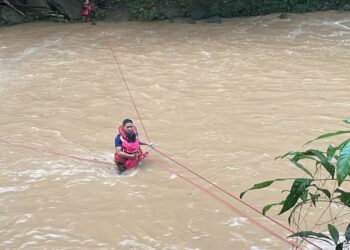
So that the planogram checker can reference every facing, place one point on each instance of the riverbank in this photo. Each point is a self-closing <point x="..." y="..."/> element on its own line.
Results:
<point x="150" y="10"/>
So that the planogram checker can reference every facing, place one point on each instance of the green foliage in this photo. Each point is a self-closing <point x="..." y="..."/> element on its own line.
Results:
<point x="2" y="22"/>
<point x="334" y="239"/>
<point x="347" y="233"/>
<point x="329" y="135"/>
<point x="334" y="233"/>
<point x="344" y="197"/>
<point x="343" y="164"/>
<point x="298" y="188"/>
<point x="146" y="10"/>
<point x="118" y="3"/>
<point x="312" y="235"/>
<point x="56" y="18"/>
<point x="98" y="14"/>
<point x="160" y="9"/>
<point x="321" y="168"/>
<point x="261" y="185"/>
<point x="267" y="207"/>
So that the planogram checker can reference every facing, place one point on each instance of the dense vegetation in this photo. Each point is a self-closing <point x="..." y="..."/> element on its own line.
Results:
<point x="322" y="190"/>
<point x="160" y="9"/>
<point x="147" y="10"/>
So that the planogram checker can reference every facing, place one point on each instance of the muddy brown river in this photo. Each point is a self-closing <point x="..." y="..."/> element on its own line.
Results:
<point x="223" y="100"/>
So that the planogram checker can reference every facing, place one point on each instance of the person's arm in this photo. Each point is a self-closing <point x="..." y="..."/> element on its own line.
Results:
<point x="125" y="155"/>
<point x="143" y="143"/>
<point x="151" y="145"/>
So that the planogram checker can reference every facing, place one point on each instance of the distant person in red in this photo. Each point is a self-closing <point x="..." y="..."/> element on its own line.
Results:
<point x="86" y="12"/>
<point x="127" y="145"/>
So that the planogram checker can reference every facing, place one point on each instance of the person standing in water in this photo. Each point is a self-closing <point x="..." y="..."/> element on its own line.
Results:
<point x="86" y="12"/>
<point x="127" y="145"/>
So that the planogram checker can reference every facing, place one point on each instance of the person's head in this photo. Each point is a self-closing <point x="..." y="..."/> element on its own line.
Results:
<point x="128" y="124"/>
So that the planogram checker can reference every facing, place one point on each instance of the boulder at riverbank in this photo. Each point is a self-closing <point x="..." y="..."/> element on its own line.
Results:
<point x="15" y="11"/>
<point x="70" y="9"/>
<point x="10" y="15"/>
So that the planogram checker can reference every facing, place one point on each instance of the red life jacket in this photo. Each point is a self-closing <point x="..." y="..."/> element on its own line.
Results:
<point x="129" y="147"/>
<point x="87" y="8"/>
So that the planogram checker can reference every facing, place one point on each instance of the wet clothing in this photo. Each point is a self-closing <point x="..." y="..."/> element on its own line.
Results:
<point x="118" y="141"/>
<point x="129" y="147"/>
<point x="87" y="8"/>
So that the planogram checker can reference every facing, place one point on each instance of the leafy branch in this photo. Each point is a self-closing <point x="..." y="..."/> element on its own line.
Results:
<point x="324" y="174"/>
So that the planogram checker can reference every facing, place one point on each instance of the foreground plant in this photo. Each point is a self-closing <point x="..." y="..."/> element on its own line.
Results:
<point x="322" y="189"/>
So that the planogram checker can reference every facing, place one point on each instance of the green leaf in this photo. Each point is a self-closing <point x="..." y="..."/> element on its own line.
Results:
<point x="344" y="197"/>
<point x="302" y="155"/>
<point x="314" y="198"/>
<point x="347" y="121"/>
<point x="298" y="188"/>
<point x="334" y="233"/>
<point x="290" y="218"/>
<point x="347" y="233"/>
<point x="325" y="191"/>
<point x="267" y="207"/>
<point x="339" y="246"/>
<point x="286" y="154"/>
<point x="301" y="166"/>
<point x="329" y="135"/>
<point x="305" y="195"/>
<point x="260" y="186"/>
<point x="341" y="145"/>
<point x="314" y="152"/>
<point x="330" y="152"/>
<point x="343" y="164"/>
<point x="310" y="234"/>
<point x="322" y="160"/>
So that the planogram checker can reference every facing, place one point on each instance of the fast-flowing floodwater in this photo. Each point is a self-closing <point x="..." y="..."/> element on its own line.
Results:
<point x="222" y="99"/>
